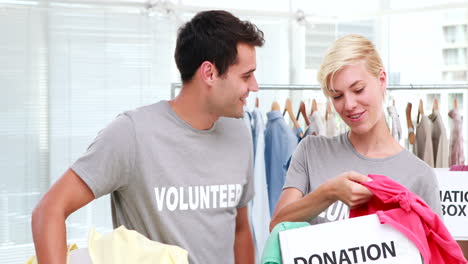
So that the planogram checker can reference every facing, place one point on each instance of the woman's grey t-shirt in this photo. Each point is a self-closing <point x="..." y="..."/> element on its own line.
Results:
<point x="171" y="182"/>
<point x="319" y="158"/>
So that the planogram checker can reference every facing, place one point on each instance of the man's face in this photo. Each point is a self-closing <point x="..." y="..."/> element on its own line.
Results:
<point x="230" y="91"/>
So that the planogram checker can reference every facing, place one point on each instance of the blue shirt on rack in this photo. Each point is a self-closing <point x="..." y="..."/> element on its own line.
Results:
<point x="280" y="142"/>
<point x="260" y="208"/>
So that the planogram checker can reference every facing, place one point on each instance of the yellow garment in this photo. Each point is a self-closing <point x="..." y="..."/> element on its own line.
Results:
<point x="33" y="260"/>
<point x="124" y="246"/>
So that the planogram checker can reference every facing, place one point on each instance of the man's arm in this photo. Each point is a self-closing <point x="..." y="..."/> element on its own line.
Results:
<point x="67" y="195"/>
<point x="244" y="252"/>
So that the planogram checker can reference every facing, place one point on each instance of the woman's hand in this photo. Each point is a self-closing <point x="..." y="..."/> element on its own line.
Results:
<point x="294" y="206"/>
<point x="346" y="188"/>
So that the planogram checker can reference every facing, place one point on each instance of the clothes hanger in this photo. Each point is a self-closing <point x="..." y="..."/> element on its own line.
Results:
<point x="288" y="109"/>
<point x="455" y="103"/>
<point x="275" y="106"/>
<point x="435" y="105"/>
<point x="302" y="110"/>
<point x="393" y="102"/>
<point x="314" y="107"/>
<point x="409" y="122"/>
<point x="257" y="102"/>
<point x="420" y="110"/>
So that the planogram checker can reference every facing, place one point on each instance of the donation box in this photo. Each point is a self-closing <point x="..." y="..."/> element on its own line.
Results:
<point x="453" y="194"/>
<point x="356" y="240"/>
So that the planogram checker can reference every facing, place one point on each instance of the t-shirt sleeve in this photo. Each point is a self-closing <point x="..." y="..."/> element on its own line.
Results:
<point x="248" y="188"/>
<point x="106" y="165"/>
<point x="430" y="192"/>
<point x="298" y="175"/>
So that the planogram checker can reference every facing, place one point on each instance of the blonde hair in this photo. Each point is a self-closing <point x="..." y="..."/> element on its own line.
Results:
<point x="345" y="51"/>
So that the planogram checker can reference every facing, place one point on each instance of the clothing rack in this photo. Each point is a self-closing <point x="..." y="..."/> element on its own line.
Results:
<point x="426" y="88"/>
<point x="300" y="87"/>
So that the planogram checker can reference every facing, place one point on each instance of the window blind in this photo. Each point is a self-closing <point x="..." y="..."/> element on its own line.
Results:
<point x="24" y="157"/>
<point x="65" y="75"/>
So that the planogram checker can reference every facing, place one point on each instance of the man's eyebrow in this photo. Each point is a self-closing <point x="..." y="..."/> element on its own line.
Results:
<point x="248" y="72"/>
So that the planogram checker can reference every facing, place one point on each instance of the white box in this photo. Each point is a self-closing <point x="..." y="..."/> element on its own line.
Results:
<point x="356" y="240"/>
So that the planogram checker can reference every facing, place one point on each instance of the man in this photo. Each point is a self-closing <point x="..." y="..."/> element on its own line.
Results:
<point x="179" y="171"/>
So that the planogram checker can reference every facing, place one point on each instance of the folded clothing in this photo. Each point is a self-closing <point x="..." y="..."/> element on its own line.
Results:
<point x="123" y="246"/>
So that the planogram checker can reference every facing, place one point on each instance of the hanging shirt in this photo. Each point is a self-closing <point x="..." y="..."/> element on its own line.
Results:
<point x="408" y="213"/>
<point x="457" y="156"/>
<point x="396" y="126"/>
<point x="280" y="142"/>
<point x="423" y="141"/>
<point x="331" y="127"/>
<point x="343" y="127"/>
<point x="260" y="209"/>
<point x="316" y="127"/>
<point x="439" y="141"/>
<point x="459" y="168"/>
<point x="248" y="119"/>
<point x="298" y="134"/>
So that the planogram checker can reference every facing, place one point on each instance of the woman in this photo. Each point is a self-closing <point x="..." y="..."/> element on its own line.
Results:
<point x="323" y="179"/>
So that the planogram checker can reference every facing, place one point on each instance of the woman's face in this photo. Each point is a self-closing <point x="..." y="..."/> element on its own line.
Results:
<point x="358" y="97"/>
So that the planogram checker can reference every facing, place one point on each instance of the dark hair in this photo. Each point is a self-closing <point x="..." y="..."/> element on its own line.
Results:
<point x="213" y="36"/>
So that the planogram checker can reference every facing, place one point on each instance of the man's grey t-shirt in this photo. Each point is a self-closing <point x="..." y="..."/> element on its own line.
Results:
<point x="318" y="158"/>
<point x="171" y="182"/>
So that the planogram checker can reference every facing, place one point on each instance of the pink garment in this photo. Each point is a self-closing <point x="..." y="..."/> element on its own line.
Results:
<point x="457" y="156"/>
<point x="408" y="213"/>
<point x="459" y="168"/>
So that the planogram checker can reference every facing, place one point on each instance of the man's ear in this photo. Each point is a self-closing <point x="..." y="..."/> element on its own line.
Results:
<point x="208" y="72"/>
